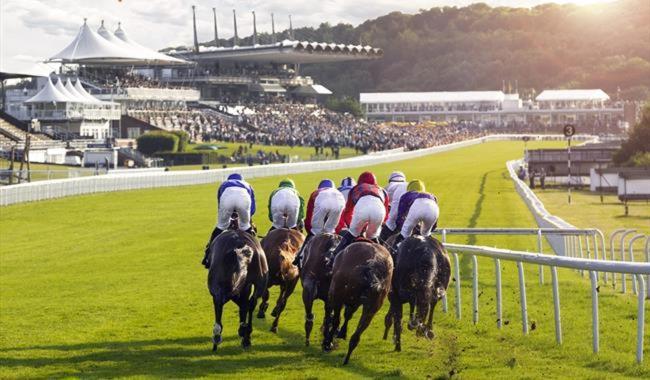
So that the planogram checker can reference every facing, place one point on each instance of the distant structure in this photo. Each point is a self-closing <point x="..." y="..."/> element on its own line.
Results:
<point x="550" y="107"/>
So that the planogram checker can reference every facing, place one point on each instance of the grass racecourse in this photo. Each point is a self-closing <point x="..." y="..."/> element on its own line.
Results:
<point x="110" y="285"/>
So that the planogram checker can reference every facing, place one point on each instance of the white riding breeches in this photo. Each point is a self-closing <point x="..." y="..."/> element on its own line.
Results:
<point x="234" y="199"/>
<point x="369" y="212"/>
<point x="422" y="210"/>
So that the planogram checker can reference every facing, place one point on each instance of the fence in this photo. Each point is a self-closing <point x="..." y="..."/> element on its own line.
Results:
<point x="638" y="270"/>
<point x="63" y="188"/>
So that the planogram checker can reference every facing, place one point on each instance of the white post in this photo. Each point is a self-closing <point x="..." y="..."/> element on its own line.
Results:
<point x="497" y="268"/>
<point x="603" y="251"/>
<point x="640" y="319"/>
<point x="522" y="295"/>
<point x="444" y="298"/>
<point x="631" y="258"/>
<point x="622" y="250"/>
<point x="611" y="251"/>
<point x="556" y="306"/>
<point x="582" y="272"/>
<point x="541" y="252"/>
<point x="475" y="289"/>
<point x="647" y="258"/>
<point x="457" y="276"/>
<point x="594" y="309"/>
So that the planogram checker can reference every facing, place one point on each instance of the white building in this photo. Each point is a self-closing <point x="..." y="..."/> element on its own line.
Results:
<point x="551" y="107"/>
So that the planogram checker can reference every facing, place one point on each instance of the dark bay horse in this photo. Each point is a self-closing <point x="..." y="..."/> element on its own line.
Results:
<point x="280" y="247"/>
<point x="315" y="276"/>
<point x="361" y="278"/>
<point x="238" y="272"/>
<point x="421" y="278"/>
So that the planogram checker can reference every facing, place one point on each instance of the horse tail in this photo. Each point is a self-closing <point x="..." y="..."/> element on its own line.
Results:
<point x="287" y="251"/>
<point x="443" y="275"/>
<point x="374" y="274"/>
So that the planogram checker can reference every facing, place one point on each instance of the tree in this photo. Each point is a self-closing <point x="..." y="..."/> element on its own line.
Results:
<point x="635" y="149"/>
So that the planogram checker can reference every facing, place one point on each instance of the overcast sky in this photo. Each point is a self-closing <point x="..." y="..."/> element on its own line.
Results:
<point x="33" y="30"/>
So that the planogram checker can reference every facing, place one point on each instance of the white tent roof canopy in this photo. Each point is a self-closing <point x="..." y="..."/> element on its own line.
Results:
<point x="61" y="93"/>
<point x="432" y="97"/>
<point x="90" y="47"/>
<point x="48" y="94"/>
<point x="569" y="95"/>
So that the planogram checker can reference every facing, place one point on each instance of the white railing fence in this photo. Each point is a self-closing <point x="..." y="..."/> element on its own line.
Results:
<point x="593" y="266"/>
<point x="68" y="187"/>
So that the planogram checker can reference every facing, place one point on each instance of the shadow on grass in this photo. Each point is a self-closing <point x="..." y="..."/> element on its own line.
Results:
<point x="466" y="260"/>
<point x="187" y="357"/>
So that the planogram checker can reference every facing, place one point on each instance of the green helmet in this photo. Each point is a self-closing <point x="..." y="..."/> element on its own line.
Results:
<point x="416" y="185"/>
<point x="287" y="182"/>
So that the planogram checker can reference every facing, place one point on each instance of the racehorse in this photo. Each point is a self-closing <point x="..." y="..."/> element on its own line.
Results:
<point x="280" y="247"/>
<point x="422" y="274"/>
<point x="315" y="276"/>
<point x="361" y="277"/>
<point x="238" y="272"/>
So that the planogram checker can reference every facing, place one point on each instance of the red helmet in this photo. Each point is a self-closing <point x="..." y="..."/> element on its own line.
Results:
<point x="367" y="177"/>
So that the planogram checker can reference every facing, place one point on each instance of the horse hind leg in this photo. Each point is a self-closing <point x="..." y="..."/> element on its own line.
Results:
<point x="282" y="303"/>
<point x="308" y="302"/>
<point x="218" y="327"/>
<point x="349" y="312"/>
<point x="364" y="322"/>
<point x="261" y="313"/>
<point x="333" y="318"/>
<point x="388" y="321"/>
<point x="412" y="322"/>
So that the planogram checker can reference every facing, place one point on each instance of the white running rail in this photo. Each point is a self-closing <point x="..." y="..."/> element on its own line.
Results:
<point x="637" y="270"/>
<point x="42" y="190"/>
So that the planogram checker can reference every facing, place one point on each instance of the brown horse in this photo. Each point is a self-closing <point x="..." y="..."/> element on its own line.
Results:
<point x="238" y="272"/>
<point x="280" y="247"/>
<point x="315" y="276"/>
<point x="361" y="277"/>
<point x="422" y="274"/>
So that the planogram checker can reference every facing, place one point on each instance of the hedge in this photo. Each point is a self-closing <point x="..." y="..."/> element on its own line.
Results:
<point x="183" y="139"/>
<point x="154" y="142"/>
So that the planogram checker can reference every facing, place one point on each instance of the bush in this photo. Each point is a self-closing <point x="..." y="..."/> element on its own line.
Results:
<point x="183" y="140"/>
<point x="193" y="158"/>
<point x="346" y="104"/>
<point x="154" y="142"/>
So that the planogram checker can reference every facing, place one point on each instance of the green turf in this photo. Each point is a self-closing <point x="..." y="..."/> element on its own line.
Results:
<point x="299" y="152"/>
<point x="586" y="210"/>
<point x="109" y="285"/>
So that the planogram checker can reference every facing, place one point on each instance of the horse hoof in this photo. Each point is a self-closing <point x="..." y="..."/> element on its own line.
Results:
<point x="274" y="313"/>
<point x="274" y="329"/>
<point x="214" y="348"/>
<point x="341" y="335"/>
<point x="261" y="315"/>
<point x="328" y="347"/>
<point x="429" y="335"/>
<point x="307" y="343"/>
<point x="398" y="348"/>
<point x="245" y="343"/>
<point x="411" y="325"/>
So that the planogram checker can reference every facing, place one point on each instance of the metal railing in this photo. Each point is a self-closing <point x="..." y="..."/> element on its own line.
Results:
<point x="637" y="270"/>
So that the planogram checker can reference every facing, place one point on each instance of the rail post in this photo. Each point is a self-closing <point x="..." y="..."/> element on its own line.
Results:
<point x="640" y="320"/>
<point x="647" y="259"/>
<point x="594" y="309"/>
<point x="579" y="238"/>
<point x="631" y="258"/>
<point x="603" y="251"/>
<point x="623" y="277"/>
<point x="457" y="277"/>
<point x="611" y="250"/>
<point x="475" y="289"/>
<point x="497" y="268"/>
<point x="522" y="297"/>
<point x="556" y="306"/>
<point x="541" y="252"/>
<point x="444" y="298"/>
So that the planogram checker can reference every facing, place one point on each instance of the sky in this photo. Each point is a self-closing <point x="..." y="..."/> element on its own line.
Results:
<point x="33" y="30"/>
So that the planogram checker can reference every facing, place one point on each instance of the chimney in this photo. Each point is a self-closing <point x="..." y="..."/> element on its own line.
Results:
<point x="290" y="29"/>
<point x="216" y="30"/>
<point x="254" y="29"/>
<point x="196" y="39"/>
<point x="273" y="29"/>
<point x="234" y="20"/>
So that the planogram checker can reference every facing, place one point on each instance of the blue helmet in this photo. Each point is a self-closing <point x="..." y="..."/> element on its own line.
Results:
<point x="326" y="183"/>
<point x="348" y="182"/>
<point x="235" y="176"/>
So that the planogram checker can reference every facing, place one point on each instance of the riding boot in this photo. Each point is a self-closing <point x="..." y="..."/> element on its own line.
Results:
<point x="347" y="239"/>
<point x="375" y="240"/>
<point x="298" y="258"/>
<point x="397" y="242"/>
<point x="251" y="231"/>
<point x="386" y="232"/>
<point x="206" y="254"/>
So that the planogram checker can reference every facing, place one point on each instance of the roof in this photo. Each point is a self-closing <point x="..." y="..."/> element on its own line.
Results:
<point x="312" y="89"/>
<point x="48" y="94"/>
<point x="432" y="97"/>
<point x="37" y="69"/>
<point x="267" y="87"/>
<point x="566" y="95"/>
<point x="90" y="47"/>
<point x="286" y="51"/>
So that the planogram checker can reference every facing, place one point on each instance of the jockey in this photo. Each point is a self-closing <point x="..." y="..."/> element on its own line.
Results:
<point x="396" y="188"/>
<point x="324" y="210"/>
<point x="416" y="206"/>
<point x="286" y="206"/>
<point x="367" y="207"/>
<point x="346" y="185"/>
<point x="234" y="196"/>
